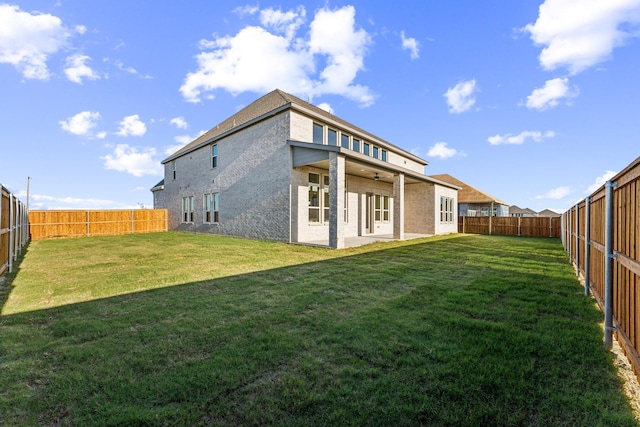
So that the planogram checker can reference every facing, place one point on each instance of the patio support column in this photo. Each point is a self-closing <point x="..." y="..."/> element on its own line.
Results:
<point x="336" y="200"/>
<point x="398" y="206"/>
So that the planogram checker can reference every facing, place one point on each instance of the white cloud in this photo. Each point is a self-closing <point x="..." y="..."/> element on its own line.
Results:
<point x="126" y="158"/>
<point x="82" y="123"/>
<point x="101" y="135"/>
<point x="39" y="201"/>
<point x="230" y="62"/>
<point x="550" y="94"/>
<point x="441" y="150"/>
<point x="27" y="40"/>
<point x="460" y="97"/>
<point x="283" y="22"/>
<point x="599" y="182"/>
<point x="555" y="193"/>
<point x="120" y="65"/>
<point x="578" y="34"/>
<point x="410" y="44"/>
<point x="81" y="29"/>
<point x="181" y="140"/>
<point x="509" y="138"/>
<point x="179" y="122"/>
<point x="326" y="107"/>
<point x="246" y="10"/>
<point x="132" y="126"/>
<point x="76" y="69"/>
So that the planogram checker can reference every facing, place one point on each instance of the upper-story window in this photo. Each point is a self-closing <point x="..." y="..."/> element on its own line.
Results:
<point x="332" y="137"/>
<point x="365" y="148"/>
<point x="214" y="155"/>
<point x="383" y="156"/>
<point x="318" y="134"/>
<point x="376" y="152"/>
<point x="344" y="140"/>
<point x="174" y="168"/>
<point x="356" y="145"/>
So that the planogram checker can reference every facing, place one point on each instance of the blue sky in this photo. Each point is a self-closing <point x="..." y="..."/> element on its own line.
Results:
<point x="533" y="102"/>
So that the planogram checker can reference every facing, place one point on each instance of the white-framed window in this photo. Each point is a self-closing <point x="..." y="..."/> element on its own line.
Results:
<point x="484" y="211"/>
<point x="365" y="148"/>
<point x="446" y="209"/>
<point x="383" y="156"/>
<point x="332" y="137"/>
<point x="356" y="145"/>
<point x="376" y="152"/>
<point x="319" y="202"/>
<point x="318" y="134"/>
<point x="187" y="209"/>
<point x="211" y="208"/>
<point x="214" y="155"/>
<point x="174" y="168"/>
<point x="314" y="197"/>
<point x="381" y="208"/>
<point x="344" y="141"/>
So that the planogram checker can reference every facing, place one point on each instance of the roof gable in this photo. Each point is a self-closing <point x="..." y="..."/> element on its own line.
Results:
<point x="468" y="194"/>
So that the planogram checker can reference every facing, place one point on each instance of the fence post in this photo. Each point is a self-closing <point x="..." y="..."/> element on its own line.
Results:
<point x="608" y="265"/>
<point x="11" y="232"/>
<point x="550" y="227"/>
<point x="578" y="239"/>
<point x="132" y="225"/>
<point x="569" y="233"/>
<point x="518" y="226"/>
<point x="587" y="245"/>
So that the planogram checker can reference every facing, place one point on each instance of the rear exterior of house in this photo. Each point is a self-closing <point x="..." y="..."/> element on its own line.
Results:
<point x="474" y="202"/>
<point x="284" y="170"/>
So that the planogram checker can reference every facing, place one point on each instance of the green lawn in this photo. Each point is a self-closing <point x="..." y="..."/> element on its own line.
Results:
<point x="178" y="329"/>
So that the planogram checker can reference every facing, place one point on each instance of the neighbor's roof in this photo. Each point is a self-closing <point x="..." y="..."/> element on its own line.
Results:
<point x="548" y="212"/>
<point x="275" y="102"/>
<point x="468" y="194"/>
<point x="517" y="209"/>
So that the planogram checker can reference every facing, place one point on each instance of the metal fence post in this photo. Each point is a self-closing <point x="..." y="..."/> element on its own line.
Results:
<point x="570" y="232"/>
<point x="587" y="244"/>
<point x="578" y="239"/>
<point x="11" y="219"/>
<point x="608" y="265"/>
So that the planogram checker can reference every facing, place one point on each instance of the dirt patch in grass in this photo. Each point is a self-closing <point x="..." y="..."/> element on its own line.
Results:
<point x="630" y="380"/>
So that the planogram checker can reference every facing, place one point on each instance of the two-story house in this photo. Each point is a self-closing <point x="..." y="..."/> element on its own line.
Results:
<point x="285" y="170"/>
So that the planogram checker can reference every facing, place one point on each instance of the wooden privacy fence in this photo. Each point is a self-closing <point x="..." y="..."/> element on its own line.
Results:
<point x="14" y="229"/>
<point x="602" y="236"/>
<point x="60" y="224"/>
<point x="510" y="226"/>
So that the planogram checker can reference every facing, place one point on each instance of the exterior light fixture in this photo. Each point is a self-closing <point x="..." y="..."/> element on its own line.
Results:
<point x="376" y="177"/>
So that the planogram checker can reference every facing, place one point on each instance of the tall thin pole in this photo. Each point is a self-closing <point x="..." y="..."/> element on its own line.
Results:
<point x="28" y="183"/>
<point x="608" y="265"/>
<point x="587" y="245"/>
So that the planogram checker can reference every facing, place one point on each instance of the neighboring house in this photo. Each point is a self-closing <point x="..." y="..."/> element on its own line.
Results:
<point x="282" y="169"/>
<point x="548" y="213"/>
<point x="519" y="212"/>
<point x="473" y="202"/>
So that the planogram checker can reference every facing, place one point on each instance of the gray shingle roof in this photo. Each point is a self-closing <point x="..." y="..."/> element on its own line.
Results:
<point x="273" y="101"/>
<point x="468" y="194"/>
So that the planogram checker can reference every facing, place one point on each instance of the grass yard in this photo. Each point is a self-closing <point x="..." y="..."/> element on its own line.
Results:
<point x="178" y="329"/>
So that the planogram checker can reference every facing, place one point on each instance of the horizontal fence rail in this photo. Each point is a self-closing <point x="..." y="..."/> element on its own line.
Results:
<point x="14" y="229"/>
<point x="510" y="226"/>
<point x="601" y="234"/>
<point x="62" y="224"/>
